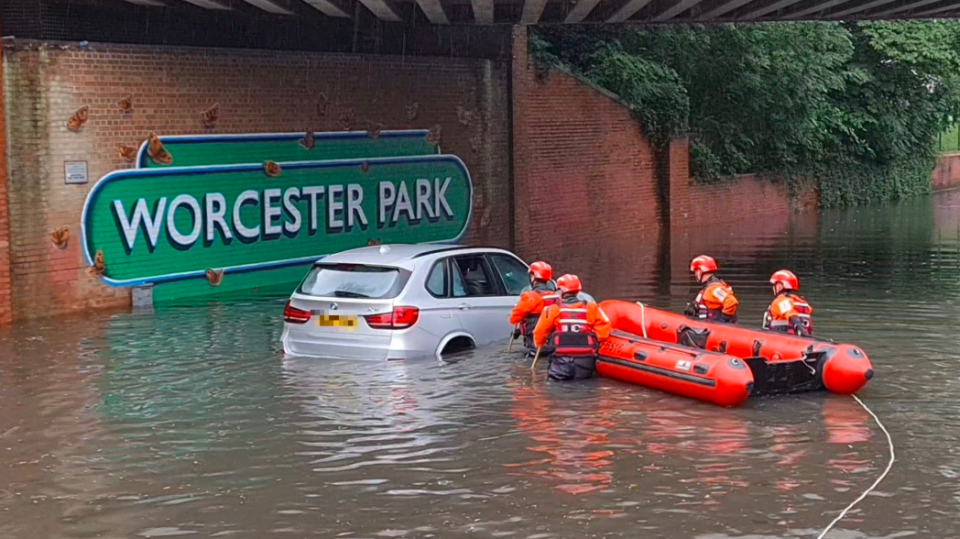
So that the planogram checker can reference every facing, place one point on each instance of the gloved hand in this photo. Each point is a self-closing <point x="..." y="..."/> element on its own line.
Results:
<point x="728" y="318"/>
<point x="798" y="326"/>
<point x="516" y="332"/>
<point x="690" y="311"/>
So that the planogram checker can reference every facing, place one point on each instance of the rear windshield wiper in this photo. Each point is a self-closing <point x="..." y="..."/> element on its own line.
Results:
<point x="347" y="294"/>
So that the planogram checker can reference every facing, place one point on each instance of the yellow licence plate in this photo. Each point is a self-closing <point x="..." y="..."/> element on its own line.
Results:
<point x="337" y="320"/>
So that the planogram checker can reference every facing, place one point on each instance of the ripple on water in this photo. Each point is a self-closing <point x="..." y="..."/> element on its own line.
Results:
<point x="188" y="422"/>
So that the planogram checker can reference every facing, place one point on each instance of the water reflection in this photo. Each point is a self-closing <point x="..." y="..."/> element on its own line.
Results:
<point x="188" y="421"/>
<point x="575" y="447"/>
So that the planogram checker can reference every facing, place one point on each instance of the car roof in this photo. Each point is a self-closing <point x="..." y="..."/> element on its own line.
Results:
<point x="398" y="254"/>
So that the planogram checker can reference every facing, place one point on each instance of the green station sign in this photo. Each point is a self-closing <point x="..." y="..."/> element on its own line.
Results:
<point x="203" y="150"/>
<point x="171" y="224"/>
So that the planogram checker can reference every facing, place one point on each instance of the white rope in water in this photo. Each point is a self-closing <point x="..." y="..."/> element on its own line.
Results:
<point x="875" y="483"/>
<point x="643" y="322"/>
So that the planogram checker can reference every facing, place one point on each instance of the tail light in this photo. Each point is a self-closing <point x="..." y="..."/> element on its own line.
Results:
<point x="399" y="318"/>
<point x="294" y="315"/>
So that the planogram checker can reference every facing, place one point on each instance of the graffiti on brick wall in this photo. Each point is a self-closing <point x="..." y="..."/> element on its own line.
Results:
<point x="247" y="203"/>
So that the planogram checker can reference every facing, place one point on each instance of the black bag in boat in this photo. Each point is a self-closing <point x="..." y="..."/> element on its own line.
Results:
<point x="694" y="338"/>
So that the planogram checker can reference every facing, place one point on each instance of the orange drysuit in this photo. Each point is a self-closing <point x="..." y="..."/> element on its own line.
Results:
<point x="716" y="301"/>
<point x="532" y="303"/>
<point x="789" y="313"/>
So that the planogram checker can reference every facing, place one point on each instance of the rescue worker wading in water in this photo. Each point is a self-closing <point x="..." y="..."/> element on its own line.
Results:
<point x="532" y="303"/>
<point x="575" y="329"/>
<point x="716" y="300"/>
<point x="788" y="312"/>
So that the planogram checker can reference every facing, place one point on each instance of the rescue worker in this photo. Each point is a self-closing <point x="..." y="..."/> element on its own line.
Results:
<point x="542" y="293"/>
<point x="716" y="300"/>
<point x="575" y="328"/>
<point x="788" y="312"/>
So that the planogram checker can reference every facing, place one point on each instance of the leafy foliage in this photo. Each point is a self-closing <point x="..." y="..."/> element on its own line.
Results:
<point x="856" y="108"/>
<point x="655" y="92"/>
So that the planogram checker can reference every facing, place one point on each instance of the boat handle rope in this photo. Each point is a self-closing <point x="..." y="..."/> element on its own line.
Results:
<point x="875" y="483"/>
<point x="643" y="319"/>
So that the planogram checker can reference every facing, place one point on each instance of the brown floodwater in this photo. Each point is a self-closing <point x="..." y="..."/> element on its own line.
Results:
<point x="187" y="421"/>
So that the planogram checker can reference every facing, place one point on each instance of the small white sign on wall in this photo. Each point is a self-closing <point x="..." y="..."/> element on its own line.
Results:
<point x="74" y="172"/>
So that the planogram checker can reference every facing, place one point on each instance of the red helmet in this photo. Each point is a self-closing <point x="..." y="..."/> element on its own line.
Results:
<point x="786" y="278"/>
<point x="569" y="284"/>
<point x="703" y="263"/>
<point x="541" y="270"/>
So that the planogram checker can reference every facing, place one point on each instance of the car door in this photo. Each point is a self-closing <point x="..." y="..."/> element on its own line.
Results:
<point x="514" y="279"/>
<point x="441" y="313"/>
<point x="482" y="299"/>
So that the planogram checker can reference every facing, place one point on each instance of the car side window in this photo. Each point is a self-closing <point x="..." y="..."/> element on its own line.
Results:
<point x="477" y="276"/>
<point x="459" y="286"/>
<point x="513" y="272"/>
<point x="437" y="280"/>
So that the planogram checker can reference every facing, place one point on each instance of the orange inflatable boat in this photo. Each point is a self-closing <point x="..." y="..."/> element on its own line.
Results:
<point x="708" y="376"/>
<point x="779" y="362"/>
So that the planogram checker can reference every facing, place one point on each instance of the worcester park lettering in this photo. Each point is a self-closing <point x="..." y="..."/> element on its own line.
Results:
<point x="338" y="208"/>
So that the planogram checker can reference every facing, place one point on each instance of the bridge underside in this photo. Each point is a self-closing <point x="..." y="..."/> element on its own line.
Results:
<point x="487" y="12"/>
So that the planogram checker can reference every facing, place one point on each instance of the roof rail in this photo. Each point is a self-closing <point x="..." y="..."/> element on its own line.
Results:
<point x="454" y="248"/>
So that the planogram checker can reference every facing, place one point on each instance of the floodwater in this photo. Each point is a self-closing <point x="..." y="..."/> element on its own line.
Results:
<point x="189" y="422"/>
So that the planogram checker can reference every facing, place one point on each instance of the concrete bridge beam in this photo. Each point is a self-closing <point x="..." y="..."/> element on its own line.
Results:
<point x="532" y="10"/>
<point x="434" y="11"/>
<point x="766" y="10"/>
<point x="859" y="9"/>
<point x="380" y="8"/>
<point x="817" y="8"/>
<point x="269" y="7"/>
<point x="483" y="11"/>
<point x="628" y="10"/>
<point x="580" y="11"/>
<point x="210" y="4"/>
<point x="725" y="8"/>
<point x="327" y="7"/>
<point x="675" y="10"/>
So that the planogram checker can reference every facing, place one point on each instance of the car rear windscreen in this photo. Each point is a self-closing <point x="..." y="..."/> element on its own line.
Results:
<point x="354" y="281"/>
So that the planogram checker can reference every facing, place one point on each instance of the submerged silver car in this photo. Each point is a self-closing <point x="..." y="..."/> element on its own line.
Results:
<point x="390" y="302"/>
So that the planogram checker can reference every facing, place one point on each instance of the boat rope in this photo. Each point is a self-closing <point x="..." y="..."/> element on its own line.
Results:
<point x="875" y="483"/>
<point x="643" y="318"/>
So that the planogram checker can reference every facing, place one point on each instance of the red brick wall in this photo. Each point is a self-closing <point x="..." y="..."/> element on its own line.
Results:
<point x="584" y="175"/>
<point x="6" y="309"/>
<point x="587" y="196"/>
<point x="257" y="92"/>
<point x="694" y="203"/>
<point x="946" y="175"/>
<point x="737" y="215"/>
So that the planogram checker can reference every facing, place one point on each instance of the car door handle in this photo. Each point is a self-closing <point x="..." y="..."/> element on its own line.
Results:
<point x="463" y="307"/>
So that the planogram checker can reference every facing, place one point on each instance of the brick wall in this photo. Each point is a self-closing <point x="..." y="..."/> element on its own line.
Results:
<point x="584" y="175"/>
<point x="727" y="219"/>
<point x="257" y="92"/>
<point x="592" y="194"/>
<point x="946" y="175"/>
<point x="694" y="204"/>
<point x="6" y="308"/>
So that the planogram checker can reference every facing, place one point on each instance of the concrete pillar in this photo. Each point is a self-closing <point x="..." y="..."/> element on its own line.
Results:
<point x="6" y="279"/>
<point x="143" y="297"/>
<point x="519" y="82"/>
